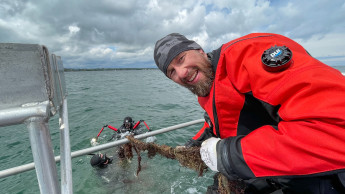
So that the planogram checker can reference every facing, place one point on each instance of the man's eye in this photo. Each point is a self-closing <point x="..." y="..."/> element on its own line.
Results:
<point x="171" y="73"/>
<point x="181" y="58"/>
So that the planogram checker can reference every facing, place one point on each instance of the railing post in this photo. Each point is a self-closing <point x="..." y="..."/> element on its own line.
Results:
<point x="65" y="152"/>
<point x="33" y="89"/>
<point x="43" y="155"/>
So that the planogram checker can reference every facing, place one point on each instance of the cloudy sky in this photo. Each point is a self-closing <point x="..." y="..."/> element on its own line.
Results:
<point x="114" y="33"/>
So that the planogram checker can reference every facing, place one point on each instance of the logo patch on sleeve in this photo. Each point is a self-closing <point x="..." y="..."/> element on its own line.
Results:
<point x="276" y="58"/>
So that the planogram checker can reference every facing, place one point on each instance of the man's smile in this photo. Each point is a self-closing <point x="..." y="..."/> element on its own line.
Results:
<point x="193" y="76"/>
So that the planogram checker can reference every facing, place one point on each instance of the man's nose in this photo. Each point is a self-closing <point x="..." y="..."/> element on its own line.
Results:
<point x="181" y="72"/>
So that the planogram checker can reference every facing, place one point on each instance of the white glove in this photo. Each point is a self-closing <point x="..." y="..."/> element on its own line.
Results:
<point x="208" y="152"/>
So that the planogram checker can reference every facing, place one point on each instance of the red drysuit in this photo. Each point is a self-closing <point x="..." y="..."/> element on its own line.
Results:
<point x="284" y="122"/>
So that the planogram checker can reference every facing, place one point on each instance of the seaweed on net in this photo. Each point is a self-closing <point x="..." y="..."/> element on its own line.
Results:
<point x="225" y="185"/>
<point x="188" y="157"/>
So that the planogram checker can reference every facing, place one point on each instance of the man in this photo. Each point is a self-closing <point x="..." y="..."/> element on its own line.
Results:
<point x="100" y="160"/>
<point x="276" y="114"/>
<point x="127" y="126"/>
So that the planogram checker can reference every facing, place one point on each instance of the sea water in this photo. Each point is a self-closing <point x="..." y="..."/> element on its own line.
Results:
<point x="96" y="98"/>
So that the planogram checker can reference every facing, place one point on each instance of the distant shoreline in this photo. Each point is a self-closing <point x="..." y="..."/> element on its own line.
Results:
<point x="106" y="69"/>
<point x="147" y="68"/>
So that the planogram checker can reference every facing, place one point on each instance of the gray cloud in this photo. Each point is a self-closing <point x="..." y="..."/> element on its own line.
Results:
<point x="105" y="33"/>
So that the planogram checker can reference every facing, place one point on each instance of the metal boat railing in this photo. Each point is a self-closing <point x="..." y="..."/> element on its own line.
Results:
<point x="31" y="166"/>
<point x="32" y="90"/>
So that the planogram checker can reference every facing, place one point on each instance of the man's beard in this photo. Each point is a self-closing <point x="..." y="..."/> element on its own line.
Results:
<point x="203" y="87"/>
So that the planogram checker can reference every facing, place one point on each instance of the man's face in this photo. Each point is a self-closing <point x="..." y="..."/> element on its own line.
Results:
<point x="127" y="125"/>
<point x="104" y="159"/>
<point x="192" y="70"/>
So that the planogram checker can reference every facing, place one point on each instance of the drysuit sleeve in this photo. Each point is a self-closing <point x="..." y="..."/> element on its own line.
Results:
<point x="309" y="139"/>
<point x="204" y="133"/>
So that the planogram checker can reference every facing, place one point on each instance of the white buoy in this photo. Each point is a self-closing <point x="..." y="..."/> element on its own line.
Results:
<point x="94" y="141"/>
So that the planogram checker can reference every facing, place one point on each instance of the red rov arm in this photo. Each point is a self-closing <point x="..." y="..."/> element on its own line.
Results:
<point x="136" y="125"/>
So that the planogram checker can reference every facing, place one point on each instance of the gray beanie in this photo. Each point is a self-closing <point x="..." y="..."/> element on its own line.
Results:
<point x="167" y="48"/>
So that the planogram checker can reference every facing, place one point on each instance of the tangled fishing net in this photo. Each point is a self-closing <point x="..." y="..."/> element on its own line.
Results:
<point x="187" y="157"/>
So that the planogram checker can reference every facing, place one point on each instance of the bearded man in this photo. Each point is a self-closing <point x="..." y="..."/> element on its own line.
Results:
<point x="275" y="116"/>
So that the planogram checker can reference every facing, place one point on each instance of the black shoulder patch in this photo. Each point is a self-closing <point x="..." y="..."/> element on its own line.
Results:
<point x="276" y="58"/>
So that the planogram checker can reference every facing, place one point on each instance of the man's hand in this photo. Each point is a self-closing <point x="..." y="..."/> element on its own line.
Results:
<point x="208" y="152"/>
